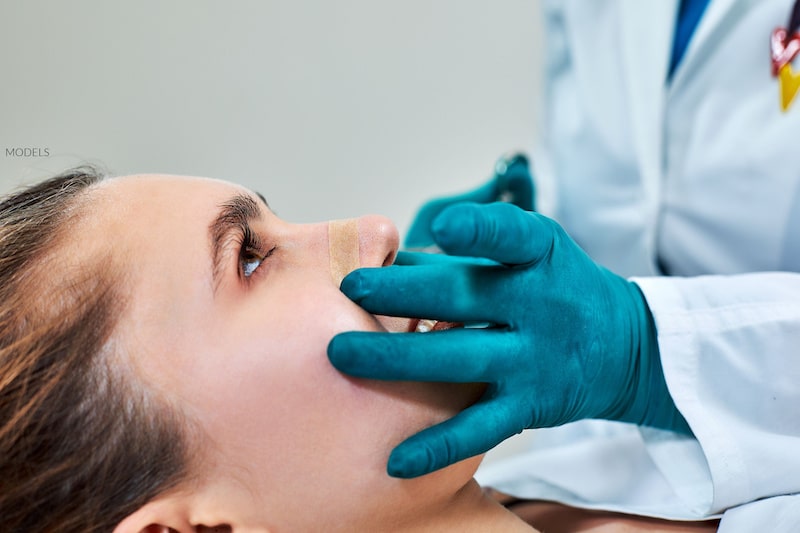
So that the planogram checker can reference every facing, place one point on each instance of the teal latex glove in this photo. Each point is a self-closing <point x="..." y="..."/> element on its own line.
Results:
<point x="511" y="182"/>
<point x="568" y="339"/>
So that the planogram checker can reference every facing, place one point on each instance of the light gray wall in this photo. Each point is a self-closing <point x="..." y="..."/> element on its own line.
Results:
<point x="329" y="108"/>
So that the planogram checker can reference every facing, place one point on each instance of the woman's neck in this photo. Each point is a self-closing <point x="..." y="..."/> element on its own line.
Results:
<point x="469" y="510"/>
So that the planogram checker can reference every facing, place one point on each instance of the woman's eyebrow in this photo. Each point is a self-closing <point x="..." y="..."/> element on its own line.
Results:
<point x="235" y="213"/>
<point x="261" y="197"/>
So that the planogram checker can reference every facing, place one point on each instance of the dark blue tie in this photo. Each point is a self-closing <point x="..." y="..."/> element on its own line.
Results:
<point x="689" y="15"/>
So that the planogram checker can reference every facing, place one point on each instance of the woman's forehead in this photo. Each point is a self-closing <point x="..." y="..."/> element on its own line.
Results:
<point x="167" y="182"/>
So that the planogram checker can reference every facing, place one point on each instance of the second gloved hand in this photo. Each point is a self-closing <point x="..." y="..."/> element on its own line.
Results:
<point x="510" y="182"/>
<point x="567" y="339"/>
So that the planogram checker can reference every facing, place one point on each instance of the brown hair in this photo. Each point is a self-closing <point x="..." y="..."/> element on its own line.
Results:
<point x="82" y="443"/>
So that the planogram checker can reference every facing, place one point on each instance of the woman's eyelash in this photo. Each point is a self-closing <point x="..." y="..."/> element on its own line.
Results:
<point x="251" y="254"/>
<point x="249" y="239"/>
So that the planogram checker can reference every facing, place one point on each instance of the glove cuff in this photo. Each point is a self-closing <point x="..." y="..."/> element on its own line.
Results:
<point x="650" y="403"/>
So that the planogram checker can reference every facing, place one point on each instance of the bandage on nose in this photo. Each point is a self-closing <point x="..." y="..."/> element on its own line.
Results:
<point x="343" y="248"/>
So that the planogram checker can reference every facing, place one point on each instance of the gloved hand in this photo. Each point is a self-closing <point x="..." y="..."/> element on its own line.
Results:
<point x="567" y="340"/>
<point x="511" y="182"/>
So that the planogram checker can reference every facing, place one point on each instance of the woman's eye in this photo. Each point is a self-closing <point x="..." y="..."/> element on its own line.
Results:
<point x="250" y="261"/>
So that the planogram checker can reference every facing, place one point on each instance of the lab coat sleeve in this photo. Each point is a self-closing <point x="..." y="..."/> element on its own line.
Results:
<point x="730" y="349"/>
<point x="780" y="514"/>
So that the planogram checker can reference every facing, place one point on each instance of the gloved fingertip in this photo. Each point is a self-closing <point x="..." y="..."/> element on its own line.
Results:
<point x="338" y="354"/>
<point x="408" y="462"/>
<point x="449" y="230"/>
<point x="353" y="286"/>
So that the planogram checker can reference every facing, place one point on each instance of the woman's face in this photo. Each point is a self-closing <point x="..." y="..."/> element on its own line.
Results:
<point x="236" y="338"/>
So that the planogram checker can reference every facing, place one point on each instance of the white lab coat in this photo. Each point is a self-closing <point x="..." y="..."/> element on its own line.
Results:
<point x="699" y="176"/>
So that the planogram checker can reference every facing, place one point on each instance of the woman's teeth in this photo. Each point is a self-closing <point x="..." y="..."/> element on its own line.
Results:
<point x="425" y="325"/>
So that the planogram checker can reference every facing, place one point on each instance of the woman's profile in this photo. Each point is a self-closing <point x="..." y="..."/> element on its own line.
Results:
<point x="163" y="366"/>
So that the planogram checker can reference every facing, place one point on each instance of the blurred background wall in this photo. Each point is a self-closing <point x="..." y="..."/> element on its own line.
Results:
<point x="329" y="108"/>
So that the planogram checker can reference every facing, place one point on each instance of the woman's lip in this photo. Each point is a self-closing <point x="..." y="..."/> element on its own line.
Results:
<point x="396" y="324"/>
<point x="415" y="325"/>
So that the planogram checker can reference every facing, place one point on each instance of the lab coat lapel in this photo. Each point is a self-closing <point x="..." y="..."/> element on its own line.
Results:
<point x="719" y="16"/>
<point x="647" y="31"/>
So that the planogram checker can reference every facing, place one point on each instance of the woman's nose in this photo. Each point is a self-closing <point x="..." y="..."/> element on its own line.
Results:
<point x="378" y="241"/>
<point x="368" y="241"/>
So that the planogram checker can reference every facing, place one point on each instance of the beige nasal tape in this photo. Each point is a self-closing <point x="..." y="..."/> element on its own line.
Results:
<point x="343" y="248"/>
